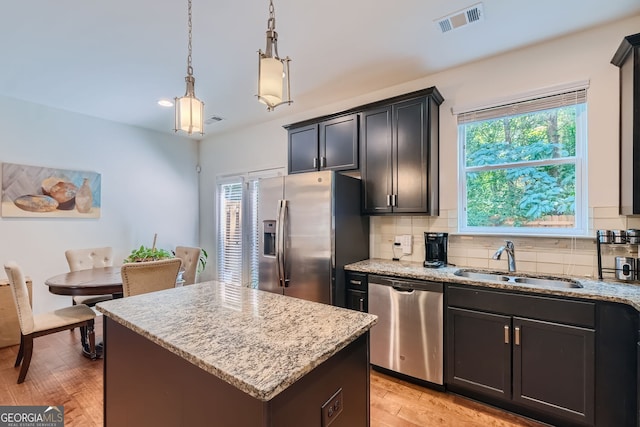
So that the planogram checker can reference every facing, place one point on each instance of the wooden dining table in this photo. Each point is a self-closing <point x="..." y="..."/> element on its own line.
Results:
<point x="93" y="281"/>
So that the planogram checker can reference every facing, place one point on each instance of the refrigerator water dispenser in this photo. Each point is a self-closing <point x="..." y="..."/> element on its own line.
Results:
<point x="269" y="230"/>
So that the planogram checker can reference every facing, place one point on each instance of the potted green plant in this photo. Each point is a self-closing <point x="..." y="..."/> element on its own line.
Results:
<point x="144" y="253"/>
<point x="202" y="261"/>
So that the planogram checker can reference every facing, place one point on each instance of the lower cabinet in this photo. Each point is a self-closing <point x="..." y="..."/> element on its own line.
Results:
<point x="357" y="291"/>
<point x="554" y="368"/>
<point x="479" y="351"/>
<point x="516" y="350"/>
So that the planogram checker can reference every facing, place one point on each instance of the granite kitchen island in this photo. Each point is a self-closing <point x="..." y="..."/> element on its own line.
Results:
<point x="214" y="354"/>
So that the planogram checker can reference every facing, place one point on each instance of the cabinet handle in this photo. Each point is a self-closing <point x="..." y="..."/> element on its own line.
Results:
<point x="394" y="200"/>
<point x="517" y="333"/>
<point x="388" y="199"/>
<point x="355" y="282"/>
<point x="506" y="334"/>
<point x="315" y="162"/>
<point x="361" y="304"/>
<point x="323" y="162"/>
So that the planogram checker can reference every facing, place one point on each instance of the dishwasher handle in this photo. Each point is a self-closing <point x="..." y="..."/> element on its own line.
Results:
<point x="403" y="289"/>
<point x="404" y="285"/>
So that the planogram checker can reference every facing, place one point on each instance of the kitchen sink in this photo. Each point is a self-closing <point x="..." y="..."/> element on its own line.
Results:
<point x="482" y="276"/>
<point x="501" y="277"/>
<point x="562" y="283"/>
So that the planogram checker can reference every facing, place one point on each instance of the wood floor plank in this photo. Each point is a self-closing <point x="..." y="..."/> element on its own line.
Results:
<point x="60" y="375"/>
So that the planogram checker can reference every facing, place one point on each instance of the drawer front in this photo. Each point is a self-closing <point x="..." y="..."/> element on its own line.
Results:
<point x="551" y="309"/>
<point x="357" y="281"/>
<point x="357" y="300"/>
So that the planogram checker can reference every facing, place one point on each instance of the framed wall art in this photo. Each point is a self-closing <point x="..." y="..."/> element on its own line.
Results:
<point x="38" y="192"/>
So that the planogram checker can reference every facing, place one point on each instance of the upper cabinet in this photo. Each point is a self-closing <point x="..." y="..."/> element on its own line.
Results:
<point x="399" y="155"/>
<point x="330" y="144"/>
<point x="627" y="57"/>
<point x="394" y="143"/>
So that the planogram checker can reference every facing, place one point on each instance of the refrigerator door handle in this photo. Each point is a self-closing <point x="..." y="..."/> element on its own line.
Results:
<point x="283" y="239"/>
<point x="280" y="238"/>
<point x="278" y="245"/>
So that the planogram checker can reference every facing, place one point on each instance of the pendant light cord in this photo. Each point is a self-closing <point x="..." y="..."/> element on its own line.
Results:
<point x="271" y="24"/>
<point x="189" y="67"/>
<point x="272" y="36"/>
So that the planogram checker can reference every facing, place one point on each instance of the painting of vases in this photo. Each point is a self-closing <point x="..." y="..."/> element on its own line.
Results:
<point x="33" y="191"/>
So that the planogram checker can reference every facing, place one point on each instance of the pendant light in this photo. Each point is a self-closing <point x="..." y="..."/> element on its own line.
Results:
<point x="273" y="72"/>
<point x="189" y="109"/>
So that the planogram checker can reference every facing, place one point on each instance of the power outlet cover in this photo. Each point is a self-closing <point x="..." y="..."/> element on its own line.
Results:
<point x="405" y="241"/>
<point x="332" y="408"/>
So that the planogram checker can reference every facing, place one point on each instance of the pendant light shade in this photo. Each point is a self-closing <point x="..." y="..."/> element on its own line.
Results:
<point x="273" y="72"/>
<point x="189" y="109"/>
<point x="271" y="81"/>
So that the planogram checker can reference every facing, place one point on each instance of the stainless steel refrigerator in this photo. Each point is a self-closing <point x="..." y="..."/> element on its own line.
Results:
<point x="310" y="227"/>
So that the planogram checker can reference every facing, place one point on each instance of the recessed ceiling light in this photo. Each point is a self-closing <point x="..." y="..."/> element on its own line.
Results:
<point x="165" y="103"/>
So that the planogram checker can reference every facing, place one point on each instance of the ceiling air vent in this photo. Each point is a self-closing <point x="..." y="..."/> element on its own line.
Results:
<point x="212" y="119"/>
<point x="461" y="18"/>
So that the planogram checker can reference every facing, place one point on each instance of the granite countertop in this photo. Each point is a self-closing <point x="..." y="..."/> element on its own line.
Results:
<point x="257" y="341"/>
<point x="626" y="293"/>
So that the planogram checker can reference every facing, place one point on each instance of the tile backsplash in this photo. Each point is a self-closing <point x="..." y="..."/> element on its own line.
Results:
<point x="546" y="255"/>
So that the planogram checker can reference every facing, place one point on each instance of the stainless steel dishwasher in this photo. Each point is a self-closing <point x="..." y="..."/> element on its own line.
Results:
<point x="408" y="337"/>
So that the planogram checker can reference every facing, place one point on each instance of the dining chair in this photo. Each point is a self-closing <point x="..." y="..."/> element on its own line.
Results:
<point x="85" y="259"/>
<point x="33" y="326"/>
<point x="149" y="276"/>
<point x="190" y="258"/>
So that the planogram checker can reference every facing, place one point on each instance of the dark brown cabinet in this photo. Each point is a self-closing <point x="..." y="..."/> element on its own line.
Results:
<point x="547" y="353"/>
<point x="303" y="149"/>
<point x="327" y="145"/>
<point x="474" y="333"/>
<point x="399" y="155"/>
<point x="357" y="291"/>
<point x="516" y="350"/>
<point x="627" y="57"/>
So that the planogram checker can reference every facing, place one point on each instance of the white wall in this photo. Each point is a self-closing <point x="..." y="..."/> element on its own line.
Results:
<point x="149" y="185"/>
<point x="577" y="57"/>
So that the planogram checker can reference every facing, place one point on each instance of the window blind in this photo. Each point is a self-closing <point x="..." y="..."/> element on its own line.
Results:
<point x="230" y="232"/>
<point x="565" y="99"/>
<point x="254" y="262"/>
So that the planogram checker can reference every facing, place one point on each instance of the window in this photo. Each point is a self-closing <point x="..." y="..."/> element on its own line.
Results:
<point x="230" y="231"/>
<point x="237" y="227"/>
<point x="523" y="167"/>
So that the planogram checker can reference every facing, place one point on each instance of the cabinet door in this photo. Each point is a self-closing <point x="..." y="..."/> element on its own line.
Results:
<point x="375" y="165"/>
<point x="554" y="368"/>
<point x="356" y="292"/>
<point x="411" y="152"/>
<point x="339" y="143"/>
<point x="479" y="352"/>
<point x="357" y="300"/>
<point x="303" y="149"/>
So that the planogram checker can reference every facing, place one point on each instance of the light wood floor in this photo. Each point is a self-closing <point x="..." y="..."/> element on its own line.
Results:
<point x="60" y="375"/>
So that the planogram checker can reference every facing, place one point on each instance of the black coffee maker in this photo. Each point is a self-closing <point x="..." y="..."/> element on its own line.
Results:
<point x="435" y="249"/>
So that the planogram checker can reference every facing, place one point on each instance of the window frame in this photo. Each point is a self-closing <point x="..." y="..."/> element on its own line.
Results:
<point x="248" y="220"/>
<point x="580" y="228"/>
<point x="220" y="182"/>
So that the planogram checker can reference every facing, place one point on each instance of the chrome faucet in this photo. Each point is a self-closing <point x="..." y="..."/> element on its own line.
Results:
<point x="511" y="254"/>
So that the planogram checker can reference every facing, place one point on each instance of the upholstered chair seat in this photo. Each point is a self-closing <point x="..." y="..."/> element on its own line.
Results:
<point x="150" y="276"/>
<point x="33" y="326"/>
<point x="85" y="259"/>
<point x="190" y="258"/>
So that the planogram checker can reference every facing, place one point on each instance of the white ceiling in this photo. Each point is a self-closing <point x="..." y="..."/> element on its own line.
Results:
<point x="115" y="59"/>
